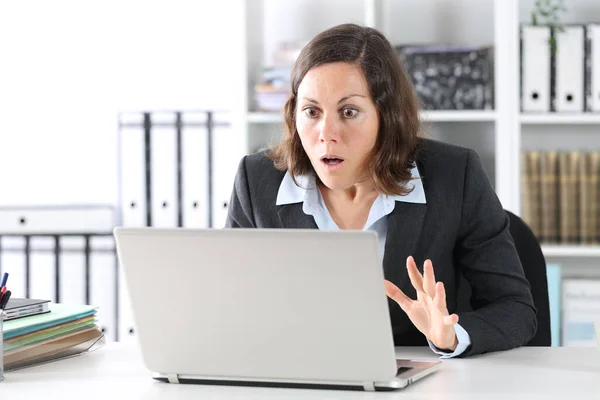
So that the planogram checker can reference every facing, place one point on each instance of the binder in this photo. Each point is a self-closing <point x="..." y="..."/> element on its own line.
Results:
<point x="227" y="153"/>
<point x="132" y="170"/>
<point x="163" y="171"/>
<point x="72" y="273"/>
<point x="592" y="66"/>
<point x="13" y="260"/>
<point x="581" y="307"/>
<point x="103" y="285"/>
<point x="569" y="69"/>
<point x="57" y="219"/>
<point x="195" y="167"/>
<point x="553" y="273"/>
<point x="127" y="332"/>
<point x="535" y="68"/>
<point x="42" y="268"/>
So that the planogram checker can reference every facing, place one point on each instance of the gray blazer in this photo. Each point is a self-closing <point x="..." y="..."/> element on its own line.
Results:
<point x="463" y="229"/>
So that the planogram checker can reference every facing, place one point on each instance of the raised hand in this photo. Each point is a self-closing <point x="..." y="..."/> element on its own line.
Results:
<point x="428" y="312"/>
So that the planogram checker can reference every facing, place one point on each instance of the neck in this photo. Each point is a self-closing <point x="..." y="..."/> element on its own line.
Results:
<point x="359" y="193"/>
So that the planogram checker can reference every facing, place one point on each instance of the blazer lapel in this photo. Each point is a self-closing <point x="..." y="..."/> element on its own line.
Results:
<point x="404" y="229"/>
<point x="292" y="217"/>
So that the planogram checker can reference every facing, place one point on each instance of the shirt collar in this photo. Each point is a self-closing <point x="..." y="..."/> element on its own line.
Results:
<point x="290" y="193"/>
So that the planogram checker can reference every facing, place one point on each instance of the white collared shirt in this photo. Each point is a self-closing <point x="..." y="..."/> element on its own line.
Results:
<point x="313" y="204"/>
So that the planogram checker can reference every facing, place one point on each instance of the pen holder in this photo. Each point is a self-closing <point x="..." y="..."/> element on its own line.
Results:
<point x="1" y="345"/>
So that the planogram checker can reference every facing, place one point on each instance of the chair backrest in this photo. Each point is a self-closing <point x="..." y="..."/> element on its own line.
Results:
<point x="534" y="266"/>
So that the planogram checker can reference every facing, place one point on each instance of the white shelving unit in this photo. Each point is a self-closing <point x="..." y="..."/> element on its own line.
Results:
<point x="560" y="119"/>
<point x="499" y="135"/>
<point x="571" y="251"/>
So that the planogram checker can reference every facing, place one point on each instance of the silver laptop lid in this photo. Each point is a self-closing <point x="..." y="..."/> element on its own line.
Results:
<point x="260" y="304"/>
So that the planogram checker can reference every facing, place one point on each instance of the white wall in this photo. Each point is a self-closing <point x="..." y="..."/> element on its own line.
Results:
<point x="67" y="68"/>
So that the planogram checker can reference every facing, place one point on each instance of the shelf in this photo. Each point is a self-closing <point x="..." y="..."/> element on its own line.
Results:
<point x="264" y="117"/>
<point x="428" y="116"/>
<point x="556" y="118"/>
<point x="571" y="250"/>
<point x="458" y="116"/>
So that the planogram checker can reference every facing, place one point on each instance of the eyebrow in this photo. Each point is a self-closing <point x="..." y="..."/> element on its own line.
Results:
<point x="341" y="100"/>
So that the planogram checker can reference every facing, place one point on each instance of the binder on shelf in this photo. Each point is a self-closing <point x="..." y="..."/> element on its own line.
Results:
<point x="592" y="68"/>
<point x="227" y="157"/>
<point x="58" y="219"/>
<point x="72" y="270"/>
<point x="163" y="171"/>
<point x="581" y="307"/>
<point x="13" y="259"/>
<point x="553" y="273"/>
<point x="173" y="170"/>
<point x="126" y="332"/>
<point x="132" y="170"/>
<point x="569" y="69"/>
<point x="42" y="268"/>
<point x="103" y="285"/>
<point x="535" y="68"/>
<point x="195" y="167"/>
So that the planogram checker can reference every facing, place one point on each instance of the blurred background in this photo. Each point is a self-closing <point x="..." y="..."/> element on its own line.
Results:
<point x="137" y="113"/>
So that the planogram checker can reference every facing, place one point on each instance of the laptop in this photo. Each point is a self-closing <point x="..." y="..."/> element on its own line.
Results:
<point x="263" y="307"/>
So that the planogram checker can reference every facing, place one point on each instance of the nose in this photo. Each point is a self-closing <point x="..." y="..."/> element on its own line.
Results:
<point x="328" y="130"/>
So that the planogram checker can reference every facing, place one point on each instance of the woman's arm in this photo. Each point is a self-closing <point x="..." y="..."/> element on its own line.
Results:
<point x="239" y="213"/>
<point x="504" y="316"/>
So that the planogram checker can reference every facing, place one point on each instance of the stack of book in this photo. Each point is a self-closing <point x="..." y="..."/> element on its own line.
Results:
<point x="65" y="331"/>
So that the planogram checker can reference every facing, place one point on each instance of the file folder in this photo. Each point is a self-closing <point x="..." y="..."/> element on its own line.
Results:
<point x="535" y="68"/>
<point x="227" y="153"/>
<point x="195" y="167"/>
<point x="132" y="170"/>
<point x="13" y="259"/>
<point x="103" y="286"/>
<point x="163" y="167"/>
<point x="42" y="268"/>
<point x="592" y="65"/>
<point x="72" y="270"/>
<point x="126" y="332"/>
<point x="57" y="219"/>
<point x="569" y="69"/>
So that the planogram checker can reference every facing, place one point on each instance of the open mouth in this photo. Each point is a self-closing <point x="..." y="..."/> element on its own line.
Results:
<point x="332" y="162"/>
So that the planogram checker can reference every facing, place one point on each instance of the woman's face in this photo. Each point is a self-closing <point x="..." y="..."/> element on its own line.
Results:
<point x="337" y="122"/>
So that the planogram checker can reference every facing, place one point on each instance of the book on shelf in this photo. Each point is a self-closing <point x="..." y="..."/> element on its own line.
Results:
<point x="560" y="191"/>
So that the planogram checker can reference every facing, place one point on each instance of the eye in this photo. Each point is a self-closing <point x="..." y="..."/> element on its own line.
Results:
<point x="349" y="113"/>
<point x="310" y="112"/>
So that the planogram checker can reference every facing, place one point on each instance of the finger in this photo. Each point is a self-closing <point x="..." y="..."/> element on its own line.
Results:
<point x="440" y="298"/>
<point x="394" y="293"/>
<point x="429" y="278"/>
<point x="451" y="319"/>
<point x="413" y="273"/>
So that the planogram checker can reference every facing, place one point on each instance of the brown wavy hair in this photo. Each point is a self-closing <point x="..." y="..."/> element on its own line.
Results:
<point x="390" y="88"/>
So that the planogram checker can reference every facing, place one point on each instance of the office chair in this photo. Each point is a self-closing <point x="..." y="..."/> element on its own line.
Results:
<point x="534" y="266"/>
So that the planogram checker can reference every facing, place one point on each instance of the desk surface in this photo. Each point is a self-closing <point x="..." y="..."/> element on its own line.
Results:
<point x="117" y="370"/>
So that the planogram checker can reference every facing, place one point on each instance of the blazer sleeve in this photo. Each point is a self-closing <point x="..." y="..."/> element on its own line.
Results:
<point x="504" y="315"/>
<point x="239" y="213"/>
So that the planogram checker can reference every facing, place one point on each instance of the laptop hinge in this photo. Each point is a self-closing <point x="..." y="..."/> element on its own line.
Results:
<point x="369" y="386"/>
<point x="173" y="378"/>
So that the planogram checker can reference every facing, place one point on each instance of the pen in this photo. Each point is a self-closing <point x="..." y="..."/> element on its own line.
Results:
<point x="4" y="300"/>
<point x="4" y="279"/>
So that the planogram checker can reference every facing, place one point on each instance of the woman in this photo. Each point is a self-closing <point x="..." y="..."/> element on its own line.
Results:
<point x="350" y="158"/>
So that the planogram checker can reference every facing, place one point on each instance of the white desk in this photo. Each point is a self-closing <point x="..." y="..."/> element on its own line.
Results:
<point x="116" y="371"/>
